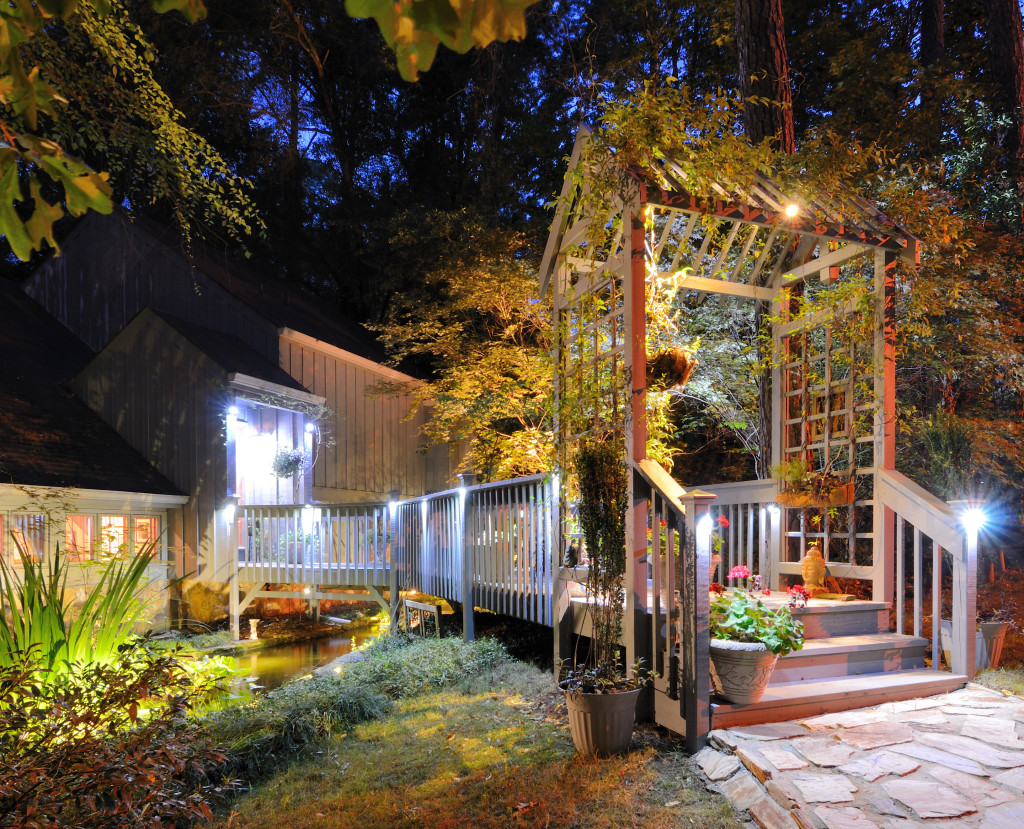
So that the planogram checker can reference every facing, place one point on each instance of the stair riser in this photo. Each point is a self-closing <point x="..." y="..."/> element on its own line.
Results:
<point x="844" y="623"/>
<point x="834" y="665"/>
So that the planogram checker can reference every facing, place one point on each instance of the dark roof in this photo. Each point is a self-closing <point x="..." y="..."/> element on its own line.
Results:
<point x="283" y="304"/>
<point x="48" y="437"/>
<point x="231" y="354"/>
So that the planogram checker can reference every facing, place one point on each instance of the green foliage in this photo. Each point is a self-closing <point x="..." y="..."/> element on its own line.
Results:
<point x="36" y="615"/>
<point x="741" y="617"/>
<point x="288" y="722"/>
<point x="415" y="28"/>
<point x="106" y="745"/>
<point x="603" y="488"/>
<point x="944" y="462"/>
<point x="473" y="322"/>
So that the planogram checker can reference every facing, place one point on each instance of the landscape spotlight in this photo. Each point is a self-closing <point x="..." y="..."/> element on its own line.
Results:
<point x="791" y="210"/>
<point x="974" y="519"/>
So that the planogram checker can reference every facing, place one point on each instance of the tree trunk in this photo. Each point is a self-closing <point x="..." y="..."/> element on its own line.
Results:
<point x="763" y="67"/>
<point x="1006" y="65"/>
<point x="933" y="31"/>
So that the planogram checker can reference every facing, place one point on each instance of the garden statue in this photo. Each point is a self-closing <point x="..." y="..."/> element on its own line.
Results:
<point x="813" y="570"/>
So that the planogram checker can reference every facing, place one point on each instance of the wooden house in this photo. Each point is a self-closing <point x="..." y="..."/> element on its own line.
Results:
<point x="217" y="376"/>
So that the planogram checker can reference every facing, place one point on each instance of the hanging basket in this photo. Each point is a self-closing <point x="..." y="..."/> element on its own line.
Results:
<point x="837" y="497"/>
<point x="672" y="367"/>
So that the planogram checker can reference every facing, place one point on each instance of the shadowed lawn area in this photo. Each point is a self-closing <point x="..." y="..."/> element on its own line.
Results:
<point x="481" y="758"/>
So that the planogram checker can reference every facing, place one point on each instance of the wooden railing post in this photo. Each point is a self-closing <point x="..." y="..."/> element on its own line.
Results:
<point x="464" y="544"/>
<point x="696" y="663"/>
<point x="965" y="592"/>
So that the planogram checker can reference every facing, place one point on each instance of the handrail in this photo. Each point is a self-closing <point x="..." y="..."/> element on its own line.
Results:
<point x="914" y="514"/>
<point x="762" y="490"/>
<point x="678" y="558"/>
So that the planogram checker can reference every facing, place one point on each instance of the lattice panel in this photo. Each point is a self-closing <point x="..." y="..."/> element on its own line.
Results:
<point x="827" y="419"/>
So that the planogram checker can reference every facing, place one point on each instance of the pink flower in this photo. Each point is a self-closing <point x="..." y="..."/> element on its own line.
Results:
<point x="740" y="571"/>
<point x="797" y="590"/>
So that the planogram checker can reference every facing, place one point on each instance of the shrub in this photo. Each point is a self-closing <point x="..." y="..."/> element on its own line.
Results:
<point x="102" y="745"/>
<point x="281" y="725"/>
<point x="37" y="623"/>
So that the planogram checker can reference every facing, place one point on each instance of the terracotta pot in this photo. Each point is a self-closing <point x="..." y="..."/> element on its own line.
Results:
<point x="740" y="671"/>
<point x="601" y="724"/>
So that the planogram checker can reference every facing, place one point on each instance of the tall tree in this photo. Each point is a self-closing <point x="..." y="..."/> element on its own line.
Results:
<point x="1006" y="60"/>
<point x="764" y="72"/>
<point x="933" y="31"/>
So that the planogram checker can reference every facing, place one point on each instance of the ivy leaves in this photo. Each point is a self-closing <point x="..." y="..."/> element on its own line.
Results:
<point x="415" y="28"/>
<point x="27" y="220"/>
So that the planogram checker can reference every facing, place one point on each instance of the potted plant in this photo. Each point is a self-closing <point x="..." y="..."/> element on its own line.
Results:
<point x="993" y="625"/>
<point x="288" y="462"/>
<point x="805" y="487"/>
<point x="747" y="639"/>
<point x="601" y="699"/>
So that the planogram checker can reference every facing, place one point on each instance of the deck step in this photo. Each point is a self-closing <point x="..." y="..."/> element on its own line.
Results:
<point x="834" y="657"/>
<point x="796" y="700"/>
<point x="824" y="619"/>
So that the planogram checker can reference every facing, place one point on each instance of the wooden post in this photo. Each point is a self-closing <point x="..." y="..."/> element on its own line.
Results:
<point x="233" y="600"/>
<point x="464" y="543"/>
<point x="884" y="519"/>
<point x="636" y="633"/>
<point x="965" y="597"/>
<point x="695" y="699"/>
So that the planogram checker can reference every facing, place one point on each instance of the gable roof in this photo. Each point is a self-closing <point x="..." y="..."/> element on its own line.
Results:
<point x="48" y="437"/>
<point x="284" y="304"/>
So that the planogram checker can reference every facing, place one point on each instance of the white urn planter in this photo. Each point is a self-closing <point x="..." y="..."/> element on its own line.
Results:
<point x="740" y="671"/>
<point x="988" y="647"/>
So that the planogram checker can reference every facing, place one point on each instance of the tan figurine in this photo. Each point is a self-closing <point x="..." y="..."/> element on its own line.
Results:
<point x="812" y="567"/>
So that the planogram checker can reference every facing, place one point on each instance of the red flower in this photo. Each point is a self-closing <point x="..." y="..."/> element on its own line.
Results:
<point x="723" y="522"/>
<point x="716" y="588"/>
<point x="740" y="571"/>
<point x="767" y="592"/>
<point x="797" y="590"/>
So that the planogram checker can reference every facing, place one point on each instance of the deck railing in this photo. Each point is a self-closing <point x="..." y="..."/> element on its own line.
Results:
<point x="750" y="531"/>
<point x="924" y="527"/>
<point x="326" y="544"/>
<point x="679" y="557"/>
<point x="488" y="545"/>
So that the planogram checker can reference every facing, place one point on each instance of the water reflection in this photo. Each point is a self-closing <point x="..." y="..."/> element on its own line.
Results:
<point x="275" y="666"/>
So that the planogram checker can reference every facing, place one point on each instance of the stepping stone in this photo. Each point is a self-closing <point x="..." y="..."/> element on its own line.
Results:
<point x="769" y="731"/>
<point x="884" y="806"/>
<point x="782" y="759"/>
<point x="943" y="758"/>
<point x="823" y="751"/>
<point x="1007" y="816"/>
<point x="993" y="730"/>
<point x="911" y="705"/>
<point x="902" y="823"/>
<point x="929" y="800"/>
<point x="845" y="719"/>
<point x="873" y="766"/>
<point x="1014" y="779"/>
<point x="755" y="762"/>
<point x="742" y="791"/>
<point x="770" y="815"/>
<point x="962" y="711"/>
<point x="978" y="789"/>
<point x="722" y="739"/>
<point x="844" y="817"/>
<point x="715" y="765"/>
<point x="931" y="717"/>
<point x="974" y="750"/>
<point x="804" y="819"/>
<point x="783" y="793"/>
<point x="876" y="735"/>
<point x="824" y="788"/>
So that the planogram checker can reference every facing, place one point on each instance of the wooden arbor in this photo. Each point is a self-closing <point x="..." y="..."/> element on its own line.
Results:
<point x="754" y="244"/>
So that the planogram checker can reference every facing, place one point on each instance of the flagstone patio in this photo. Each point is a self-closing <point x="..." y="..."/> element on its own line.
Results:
<point x="956" y="759"/>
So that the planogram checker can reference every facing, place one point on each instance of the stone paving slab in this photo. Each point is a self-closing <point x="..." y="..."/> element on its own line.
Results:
<point x="956" y="760"/>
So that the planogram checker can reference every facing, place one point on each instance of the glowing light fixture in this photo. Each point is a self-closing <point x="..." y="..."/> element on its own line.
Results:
<point x="791" y="210"/>
<point x="974" y="519"/>
<point x="773" y="509"/>
<point x="310" y="428"/>
<point x="233" y="410"/>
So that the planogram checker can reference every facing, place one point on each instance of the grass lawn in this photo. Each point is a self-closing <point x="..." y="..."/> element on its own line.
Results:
<point x="494" y="753"/>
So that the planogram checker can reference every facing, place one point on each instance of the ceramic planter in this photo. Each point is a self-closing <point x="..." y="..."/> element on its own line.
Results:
<point x="601" y="724"/>
<point x="740" y="671"/>
<point x="988" y="649"/>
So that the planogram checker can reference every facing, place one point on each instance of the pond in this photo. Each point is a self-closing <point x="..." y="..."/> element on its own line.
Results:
<point x="275" y="666"/>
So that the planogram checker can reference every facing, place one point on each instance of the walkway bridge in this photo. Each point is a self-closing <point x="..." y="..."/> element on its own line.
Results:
<point x="494" y="547"/>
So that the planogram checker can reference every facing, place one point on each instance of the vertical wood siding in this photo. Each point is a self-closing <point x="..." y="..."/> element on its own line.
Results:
<point x="374" y="450"/>
<point x="160" y="395"/>
<point x="111" y="269"/>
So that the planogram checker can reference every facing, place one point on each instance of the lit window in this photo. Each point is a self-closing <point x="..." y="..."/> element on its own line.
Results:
<point x="147" y="530"/>
<point x="113" y="535"/>
<point x="78" y="537"/>
<point x="29" y="531"/>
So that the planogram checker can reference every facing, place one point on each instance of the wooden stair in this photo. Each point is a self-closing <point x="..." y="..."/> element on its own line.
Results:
<point x="849" y="660"/>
